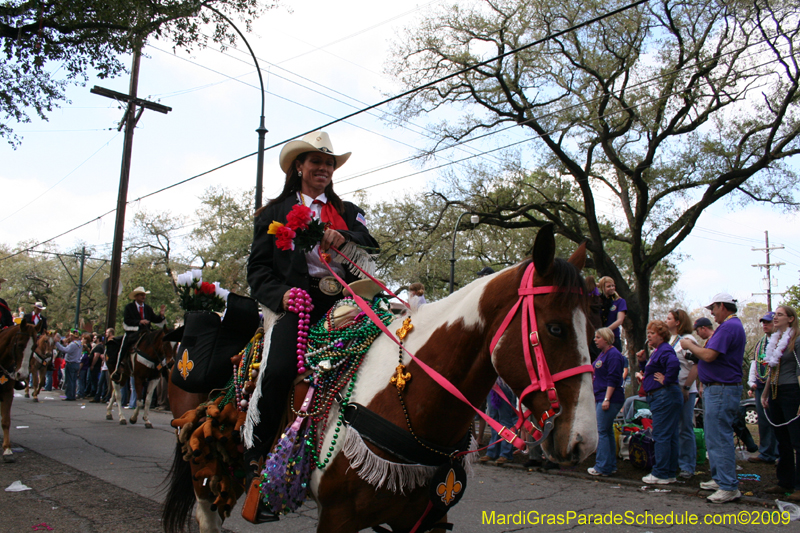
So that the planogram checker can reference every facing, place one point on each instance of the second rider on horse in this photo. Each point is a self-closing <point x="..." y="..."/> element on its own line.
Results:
<point x="137" y="318"/>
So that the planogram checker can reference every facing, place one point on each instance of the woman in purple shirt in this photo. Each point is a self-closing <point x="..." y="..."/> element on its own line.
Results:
<point x="665" y="398"/>
<point x="614" y="308"/>
<point x="609" y="397"/>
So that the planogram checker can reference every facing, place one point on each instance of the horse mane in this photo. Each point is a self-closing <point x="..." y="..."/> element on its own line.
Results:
<point x="564" y="276"/>
<point x="150" y="337"/>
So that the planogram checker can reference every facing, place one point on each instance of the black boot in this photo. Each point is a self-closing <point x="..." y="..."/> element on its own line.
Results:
<point x="254" y="509"/>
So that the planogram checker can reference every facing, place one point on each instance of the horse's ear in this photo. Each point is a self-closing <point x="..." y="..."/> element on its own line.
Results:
<point x="578" y="257"/>
<point x="544" y="249"/>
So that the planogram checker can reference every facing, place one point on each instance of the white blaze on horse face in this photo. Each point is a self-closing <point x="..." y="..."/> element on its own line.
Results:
<point x="23" y="371"/>
<point x="584" y="418"/>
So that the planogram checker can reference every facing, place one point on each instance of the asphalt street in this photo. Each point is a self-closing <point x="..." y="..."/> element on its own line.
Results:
<point x="87" y="474"/>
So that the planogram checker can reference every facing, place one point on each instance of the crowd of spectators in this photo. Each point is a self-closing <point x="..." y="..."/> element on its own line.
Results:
<point x="677" y="370"/>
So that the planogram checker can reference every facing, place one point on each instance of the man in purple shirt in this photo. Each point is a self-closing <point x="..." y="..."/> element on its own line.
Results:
<point x="720" y="371"/>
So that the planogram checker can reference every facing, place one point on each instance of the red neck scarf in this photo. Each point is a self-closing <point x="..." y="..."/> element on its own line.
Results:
<point x="331" y="217"/>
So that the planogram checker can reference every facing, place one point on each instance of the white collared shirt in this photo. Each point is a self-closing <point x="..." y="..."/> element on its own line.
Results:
<point x="316" y="269"/>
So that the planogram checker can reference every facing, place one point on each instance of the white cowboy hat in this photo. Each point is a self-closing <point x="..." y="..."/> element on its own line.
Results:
<point x="137" y="290"/>
<point x="39" y="305"/>
<point x="313" y="142"/>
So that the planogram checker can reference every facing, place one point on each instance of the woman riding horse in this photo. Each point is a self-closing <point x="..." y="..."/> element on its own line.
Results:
<point x="485" y="330"/>
<point x="273" y="273"/>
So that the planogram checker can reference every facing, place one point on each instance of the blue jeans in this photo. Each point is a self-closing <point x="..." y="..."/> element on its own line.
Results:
<point x="606" y="457"/>
<point x="82" y="373"/>
<point x="721" y="405"/>
<point x="767" y="442"/>
<point x="91" y="383"/>
<point x="102" y="386"/>
<point x="505" y="415"/>
<point x="687" y="458"/>
<point x="71" y="379"/>
<point x="48" y="381"/>
<point x="132" y="403"/>
<point x="665" y="405"/>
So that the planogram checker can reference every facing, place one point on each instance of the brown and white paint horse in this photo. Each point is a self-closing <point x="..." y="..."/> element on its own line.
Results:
<point x="16" y="346"/>
<point x="41" y="357"/>
<point x="453" y="336"/>
<point x="151" y="356"/>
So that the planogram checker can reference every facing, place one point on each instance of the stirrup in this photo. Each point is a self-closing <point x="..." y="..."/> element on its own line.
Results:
<point x="254" y="510"/>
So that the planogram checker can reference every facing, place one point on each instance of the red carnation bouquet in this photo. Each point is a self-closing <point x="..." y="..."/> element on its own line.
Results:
<point x="198" y="295"/>
<point x="301" y="230"/>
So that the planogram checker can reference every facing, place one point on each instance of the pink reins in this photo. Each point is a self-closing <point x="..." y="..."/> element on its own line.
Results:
<point x="544" y="383"/>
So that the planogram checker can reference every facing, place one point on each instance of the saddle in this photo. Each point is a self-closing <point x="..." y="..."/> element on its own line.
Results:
<point x="203" y="361"/>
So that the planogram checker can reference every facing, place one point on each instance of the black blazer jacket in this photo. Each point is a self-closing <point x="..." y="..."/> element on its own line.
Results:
<point x="131" y="318"/>
<point x="272" y="271"/>
<point x="42" y="321"/>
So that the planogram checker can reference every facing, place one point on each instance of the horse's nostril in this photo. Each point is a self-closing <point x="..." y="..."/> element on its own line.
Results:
<point x="578" y="438"/>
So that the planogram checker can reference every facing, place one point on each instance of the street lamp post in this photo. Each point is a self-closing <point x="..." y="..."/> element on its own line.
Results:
<point x="474" y="219"/>
<point x="262" y="130"/>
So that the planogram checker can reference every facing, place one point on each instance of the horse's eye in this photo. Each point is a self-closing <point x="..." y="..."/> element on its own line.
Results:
<point x="555" y="330"/>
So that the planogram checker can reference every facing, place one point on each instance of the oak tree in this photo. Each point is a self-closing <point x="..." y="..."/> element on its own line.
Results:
<point x="649" y="116"/>
<point x="46" y="45"/>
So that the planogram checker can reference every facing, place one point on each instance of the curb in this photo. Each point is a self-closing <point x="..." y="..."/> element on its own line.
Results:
<point x="675" y="488"/>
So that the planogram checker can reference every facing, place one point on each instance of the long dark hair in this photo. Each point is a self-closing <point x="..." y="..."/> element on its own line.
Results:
<point x="294" y="183"/>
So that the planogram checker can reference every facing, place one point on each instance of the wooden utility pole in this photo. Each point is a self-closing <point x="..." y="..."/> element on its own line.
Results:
<point x="768" y="266"/>
<point x="134" y="110"/>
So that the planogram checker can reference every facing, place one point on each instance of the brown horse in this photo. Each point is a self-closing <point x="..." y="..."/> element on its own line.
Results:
<point x="150" y="358"/>
<point x="16" y="346"/>
<point x="453" y="336"/>
<point x="41" y="357"/>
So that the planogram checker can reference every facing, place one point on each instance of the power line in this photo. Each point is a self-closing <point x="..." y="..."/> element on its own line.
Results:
<point x="357" y="33"/>
<point x="538" y="136"/>
<point x="362" y="188"/>
<point x="62" y="179"/>
<point x="383" y="102"/>
<point x="276" y="95"/>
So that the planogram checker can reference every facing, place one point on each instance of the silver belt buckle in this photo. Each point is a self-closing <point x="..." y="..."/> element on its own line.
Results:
<point x="328" y="285"/>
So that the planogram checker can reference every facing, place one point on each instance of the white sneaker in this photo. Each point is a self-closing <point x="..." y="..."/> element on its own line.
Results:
<point x="724" y="496"/>
<point x="650" y="479"/>
<point x="709" y="485"/>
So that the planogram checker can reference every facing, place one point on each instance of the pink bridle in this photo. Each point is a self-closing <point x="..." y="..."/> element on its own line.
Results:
<point x="544" y="382"/>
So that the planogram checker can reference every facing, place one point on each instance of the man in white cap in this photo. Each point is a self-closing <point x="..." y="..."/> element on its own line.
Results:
<point x="36" y="317"/>
<point x="6" y="318"/>
<point x="137" y="318"/>
<point x="720" y="371"/>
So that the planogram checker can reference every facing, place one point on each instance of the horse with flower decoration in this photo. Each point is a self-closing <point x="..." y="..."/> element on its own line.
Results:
<point x="16" y="346"/>
<point x="379" y="440"/>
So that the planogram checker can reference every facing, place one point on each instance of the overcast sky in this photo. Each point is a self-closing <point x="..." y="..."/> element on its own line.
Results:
<point x="321" y="61"/>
